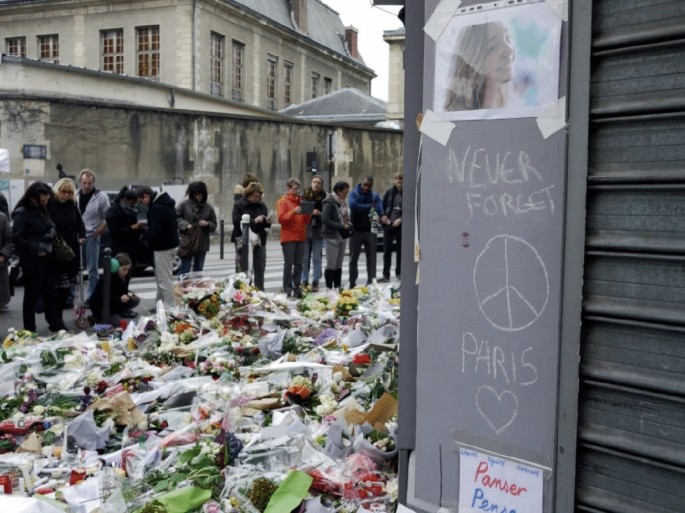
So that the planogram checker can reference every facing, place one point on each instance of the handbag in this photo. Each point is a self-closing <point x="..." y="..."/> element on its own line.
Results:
<point x="190" y="243"/>
<point x="62" y="250"/>
<point x="345" y="233"/>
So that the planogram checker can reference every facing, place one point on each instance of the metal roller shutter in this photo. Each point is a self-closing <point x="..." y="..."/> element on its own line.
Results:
<point x="631" y="428"/>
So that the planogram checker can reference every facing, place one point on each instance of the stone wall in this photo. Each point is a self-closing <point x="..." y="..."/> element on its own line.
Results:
<point x="131" y="145"/>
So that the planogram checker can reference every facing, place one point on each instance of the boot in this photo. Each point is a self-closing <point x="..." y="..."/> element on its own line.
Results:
<point x="337" y="279"/>
<point x="328" y="276"/>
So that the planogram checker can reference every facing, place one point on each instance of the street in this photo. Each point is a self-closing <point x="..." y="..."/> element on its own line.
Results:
<point x="144" y="286"/>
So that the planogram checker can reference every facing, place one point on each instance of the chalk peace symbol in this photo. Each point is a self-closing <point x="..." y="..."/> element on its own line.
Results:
<point x="511" y="283"/>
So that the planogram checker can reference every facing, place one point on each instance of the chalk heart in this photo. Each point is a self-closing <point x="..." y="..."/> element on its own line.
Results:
<point x="498" y="410"/>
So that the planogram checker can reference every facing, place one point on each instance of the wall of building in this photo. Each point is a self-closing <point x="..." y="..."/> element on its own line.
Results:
<point x="125" y="145"/>
<point x="395" y="40"/>
<point x="185" y="35"/>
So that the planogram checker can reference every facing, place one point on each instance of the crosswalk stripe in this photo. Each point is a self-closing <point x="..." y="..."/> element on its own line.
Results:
<point x="145" y="288"/>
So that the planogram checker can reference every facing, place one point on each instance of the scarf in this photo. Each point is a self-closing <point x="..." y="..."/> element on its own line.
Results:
<point x="342" y="208"/>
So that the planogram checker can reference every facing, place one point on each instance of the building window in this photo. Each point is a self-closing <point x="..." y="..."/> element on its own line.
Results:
<point x="216" y="65"/>
<point x="16" y="46"/>
<point x="327" y="85"/>
<point x="48" y="48"/>
<point x="112" y="49"/>
<point x="147" y="48"/>
<point x="238" y="59"/>
<point x="315" y="85"/>
<point x="272" y="62"/>
<point x="287" y="83"/>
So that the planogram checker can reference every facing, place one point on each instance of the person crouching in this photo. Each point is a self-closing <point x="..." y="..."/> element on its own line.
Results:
<point x="121" y="300"/>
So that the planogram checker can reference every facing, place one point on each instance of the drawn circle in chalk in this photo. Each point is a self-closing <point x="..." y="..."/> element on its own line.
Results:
<point x="511" y="283"/>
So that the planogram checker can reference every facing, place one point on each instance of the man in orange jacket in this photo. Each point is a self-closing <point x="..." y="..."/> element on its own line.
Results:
<point x="293" y="236"/>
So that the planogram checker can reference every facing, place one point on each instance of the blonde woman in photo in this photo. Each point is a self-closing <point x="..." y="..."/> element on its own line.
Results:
<point x="482" y="68"/>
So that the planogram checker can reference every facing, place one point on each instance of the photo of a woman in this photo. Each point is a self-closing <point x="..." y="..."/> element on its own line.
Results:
<point x="501" y="63"/>
<point x="483" y="68"/>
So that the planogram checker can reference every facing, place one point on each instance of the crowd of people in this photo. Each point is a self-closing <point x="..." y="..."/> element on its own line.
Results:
<point x="57" y="232"/>
<point x="312" y="221"/>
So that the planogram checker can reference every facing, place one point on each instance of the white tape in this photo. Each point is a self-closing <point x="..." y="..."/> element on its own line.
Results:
<point x="553" y="118"/>
<point x="436" y="127"/>
<point x="560" y="7"/>
<point x="440" y="18"/>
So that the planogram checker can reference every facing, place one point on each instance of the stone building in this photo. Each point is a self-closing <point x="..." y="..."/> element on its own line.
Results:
<point x="396" y="41"/>
<point x="264" y="53"/>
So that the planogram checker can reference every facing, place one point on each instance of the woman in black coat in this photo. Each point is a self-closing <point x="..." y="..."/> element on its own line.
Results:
<point x="252" y="205"/>
<point x="69" y="225"/>
<point x="33" y="232"/>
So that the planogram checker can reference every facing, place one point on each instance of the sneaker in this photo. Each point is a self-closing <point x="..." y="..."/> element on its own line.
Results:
<point x="315" y="286"/>
<point x="384" y="279"/>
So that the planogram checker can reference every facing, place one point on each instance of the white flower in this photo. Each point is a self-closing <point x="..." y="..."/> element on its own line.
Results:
<point x="392" y="489"/>
<point x="38" y="409"/>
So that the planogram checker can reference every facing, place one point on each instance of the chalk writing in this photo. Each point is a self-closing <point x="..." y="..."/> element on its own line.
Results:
<point x="506" y="204"/>
<point x="478" y="169"/>
<point x="511" y="283"/>
<point x="480" y="356"/>
<point x="498" y="409"/>
<point x="510" y="173"/>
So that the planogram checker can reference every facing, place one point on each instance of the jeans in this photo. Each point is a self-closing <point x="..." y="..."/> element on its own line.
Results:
<point x="197" y="260"/>
<point x="92" y="252"/>
<point x="164" y="275"/>
<point x="368" y="240"/>
<point x="312" y="248"/>
<point x="293" y="253"/>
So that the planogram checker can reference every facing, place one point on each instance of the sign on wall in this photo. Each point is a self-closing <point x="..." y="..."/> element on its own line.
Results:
<point x="492" y="200"/>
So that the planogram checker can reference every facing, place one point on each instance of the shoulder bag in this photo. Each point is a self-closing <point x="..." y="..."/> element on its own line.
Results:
<point x="62" y="250"/>
<point x="190" y="243"/>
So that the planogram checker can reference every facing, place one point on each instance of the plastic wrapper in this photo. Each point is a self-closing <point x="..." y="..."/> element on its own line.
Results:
<point x="362" y="446"/>
<point x="19" y="504"/>
<point x="138" y="459"/>
<point x="272" y="344"/>
<point x="86" y="434"/>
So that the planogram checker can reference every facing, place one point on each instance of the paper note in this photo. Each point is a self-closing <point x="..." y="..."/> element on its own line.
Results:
<point x="487" y="481"/>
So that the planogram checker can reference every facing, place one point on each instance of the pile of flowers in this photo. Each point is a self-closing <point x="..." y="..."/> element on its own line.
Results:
<point x="347" y="302"/>
<point x="217" y="408"/>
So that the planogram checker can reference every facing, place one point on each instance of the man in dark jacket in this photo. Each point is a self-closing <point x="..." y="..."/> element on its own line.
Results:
<point x="161" y="237"/>
<point x="365" y="210"/>
<point x="392" y="228"/>
<point x="125" y="231"/>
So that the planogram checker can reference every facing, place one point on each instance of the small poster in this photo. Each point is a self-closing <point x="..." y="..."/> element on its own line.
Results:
<point x="498" y="63"/>
<point x="492" y="483"/>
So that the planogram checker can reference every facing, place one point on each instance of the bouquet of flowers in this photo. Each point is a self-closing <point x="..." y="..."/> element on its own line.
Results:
<point x="210" y="306"/>
<point x="104" y="330"/>
<point x="215" y="367"/>
<point x="300" y="387"/>
<point x="16" y="338"/>
<point x="347" y="302"/>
